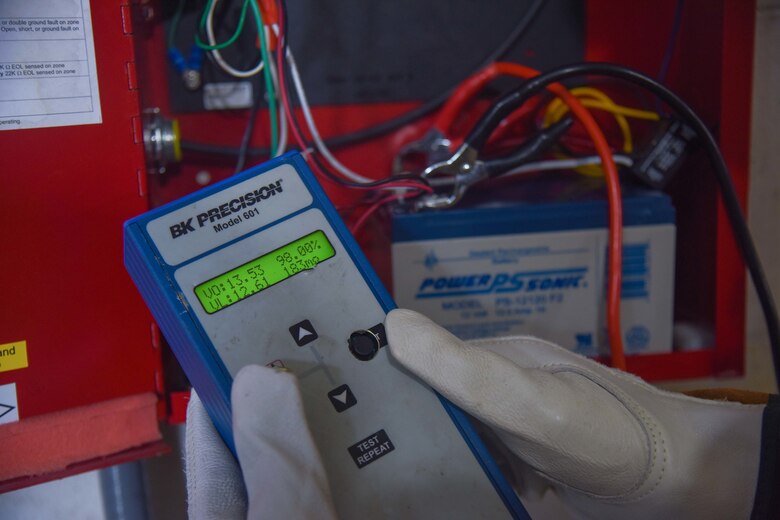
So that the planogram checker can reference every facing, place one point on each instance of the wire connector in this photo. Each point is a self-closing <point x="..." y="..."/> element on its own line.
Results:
<point x="458" y="173"/>
<point x="190" y="68"/>
<point x="665" y="154"/>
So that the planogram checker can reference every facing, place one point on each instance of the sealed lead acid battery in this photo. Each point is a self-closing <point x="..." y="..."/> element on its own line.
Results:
<point x="498" y="268"/>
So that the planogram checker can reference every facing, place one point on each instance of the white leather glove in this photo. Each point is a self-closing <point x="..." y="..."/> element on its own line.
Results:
<point x="610" y="445"/>
<point x="283" y="476"/>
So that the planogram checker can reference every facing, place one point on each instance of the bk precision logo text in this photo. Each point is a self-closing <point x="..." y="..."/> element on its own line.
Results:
<point x="226" y="210"/>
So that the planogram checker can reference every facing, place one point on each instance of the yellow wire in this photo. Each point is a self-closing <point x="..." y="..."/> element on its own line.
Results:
<point x="583" y="93"/>
<point x="601" y="96"/>
<point x="635" y="113"/>
<point x="594" y="98"/>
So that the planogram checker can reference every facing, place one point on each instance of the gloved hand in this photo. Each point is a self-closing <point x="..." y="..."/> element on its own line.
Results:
<point x="283" y="476"/>
<point x="608" y="443"/>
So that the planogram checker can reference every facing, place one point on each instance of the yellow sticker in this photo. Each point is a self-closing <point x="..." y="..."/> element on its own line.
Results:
<point x="13" y="356"/>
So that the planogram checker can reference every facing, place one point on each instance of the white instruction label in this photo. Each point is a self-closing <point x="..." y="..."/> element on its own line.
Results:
<point x="227" y="95"/>
<point x="9" y="407"/>
<point x="47" y="64"/>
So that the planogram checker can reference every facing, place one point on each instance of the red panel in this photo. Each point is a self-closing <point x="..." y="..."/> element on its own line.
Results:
<point x="372" y="159"/>
<point x="65" y="194"/>
<point x="148" y="450"/>
<point x="630" y="33"/>
<point x="735" y="109"/>
<point x="711" y="69"/>
<point x="679" y="365"/>
<point x="178" y="404"/>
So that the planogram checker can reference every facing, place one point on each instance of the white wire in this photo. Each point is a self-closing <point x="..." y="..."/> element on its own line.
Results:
<point x="551" y="164"/>
<point x="315" y="134"/>
<point x="566" y="164"/>
<point x="283" y="133"/>
<point x="283" y="128"/>
<point x="218" y="57"/>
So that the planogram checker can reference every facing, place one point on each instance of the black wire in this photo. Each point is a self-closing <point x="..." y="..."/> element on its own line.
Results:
<point x="215" y="149"/>
<point x="323" y="167"/>
<point x="373" y="184"/>
<point x="390" y="125"/>
<point x="284" y="80"/>
<point x="531" y="148"/>
<point x="429" y="106"/>
<point x="250" y="127"/>
<point x="731" y="202"/>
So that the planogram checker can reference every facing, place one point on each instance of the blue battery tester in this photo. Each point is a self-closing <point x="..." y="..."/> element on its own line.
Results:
<point x="260" y="269"/>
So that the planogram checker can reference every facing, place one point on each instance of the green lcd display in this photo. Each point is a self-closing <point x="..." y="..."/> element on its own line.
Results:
<point x="263" y="272"/>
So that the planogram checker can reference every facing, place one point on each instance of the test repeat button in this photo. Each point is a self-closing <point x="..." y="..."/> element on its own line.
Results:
<point x="373" y="447"/>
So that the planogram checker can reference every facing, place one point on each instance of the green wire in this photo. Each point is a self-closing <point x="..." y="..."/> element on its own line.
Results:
<point x="269" y="85"/>
<point x="236" y="34"/>
<point x="174" y="28"/>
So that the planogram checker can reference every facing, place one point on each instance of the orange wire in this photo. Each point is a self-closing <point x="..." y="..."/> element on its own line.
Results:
<point x="471" y="86"/>
<point x="465" y="92"/>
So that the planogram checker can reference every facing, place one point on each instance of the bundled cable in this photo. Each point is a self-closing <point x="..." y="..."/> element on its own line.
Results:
<point x="593" y="98"/>
<point x="428" y="107"/>
<point x="346" y="177"/>
<point x="720" y="170"/>
<point x="505" y="106"/>
<point x="207" y="23"/>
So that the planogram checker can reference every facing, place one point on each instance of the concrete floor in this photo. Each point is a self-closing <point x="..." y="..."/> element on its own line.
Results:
<point x="79" y="496"/>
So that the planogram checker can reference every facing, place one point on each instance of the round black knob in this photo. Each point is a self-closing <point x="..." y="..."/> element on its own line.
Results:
<point x="363" y="344"/>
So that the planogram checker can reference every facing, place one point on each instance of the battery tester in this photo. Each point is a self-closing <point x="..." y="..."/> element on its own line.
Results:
<point x="259" y="269"/>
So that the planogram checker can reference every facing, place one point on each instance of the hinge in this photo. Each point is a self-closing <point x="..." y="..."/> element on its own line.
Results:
<point x="159" y="383"/>
<point x="127" y="19"/>
<point x="138" y="129"/>
<point x="155" y="330"/>
<point x="141" y="185"/>
<point x="159" y="379"/>
<point x="132" y="76"/>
